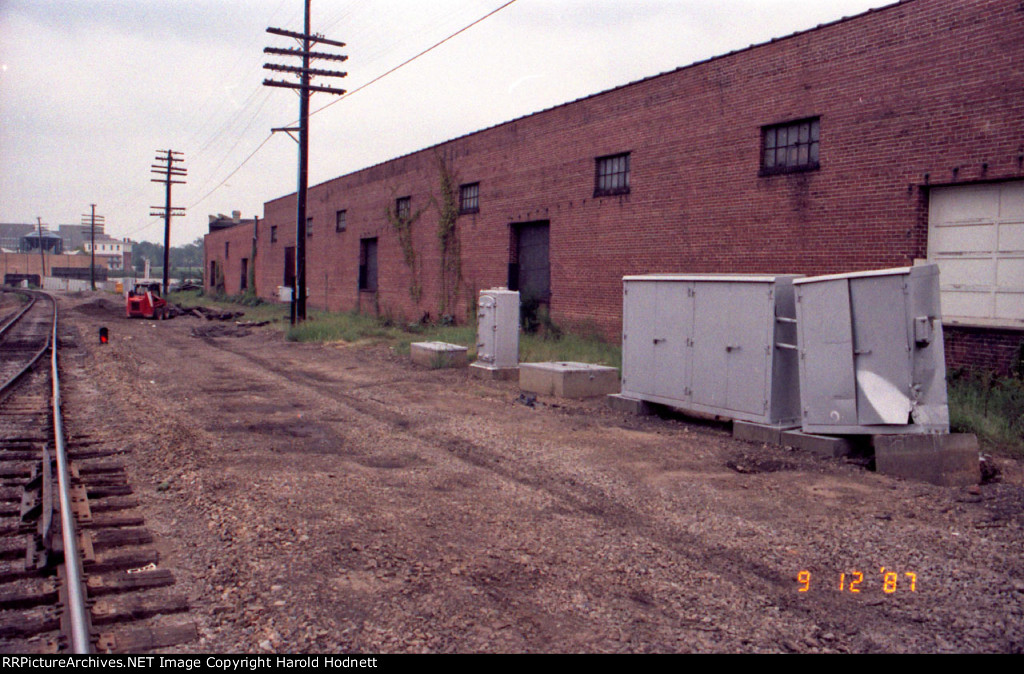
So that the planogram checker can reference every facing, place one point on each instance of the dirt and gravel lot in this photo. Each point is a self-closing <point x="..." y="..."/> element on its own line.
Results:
<point x="327" y="498"/>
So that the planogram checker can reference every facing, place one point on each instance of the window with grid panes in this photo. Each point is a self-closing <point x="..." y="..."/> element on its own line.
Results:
<point x="790" y="147"/>
<point x="339" y="221"/>
<point x="469" y="198"/>
<point x="612" y="175"/>
<point x="403" y="207"/>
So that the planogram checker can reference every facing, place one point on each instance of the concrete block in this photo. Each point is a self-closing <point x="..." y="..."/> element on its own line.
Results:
<point x="485" y="371"/>
<point x="822" y="445"/>
<point x="439" y="354"/>
<point x="568" y="380"/>
<point x="622" y="403"/>
<point x="751" y="432"/>
<point x="948" y="460"/>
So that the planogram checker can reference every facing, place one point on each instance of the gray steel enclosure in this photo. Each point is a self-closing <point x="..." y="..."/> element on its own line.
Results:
<point x="871" y="352"/>
<point x="721" y="345"/>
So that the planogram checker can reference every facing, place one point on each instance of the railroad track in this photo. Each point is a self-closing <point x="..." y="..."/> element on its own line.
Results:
<point x="78" y="571"/>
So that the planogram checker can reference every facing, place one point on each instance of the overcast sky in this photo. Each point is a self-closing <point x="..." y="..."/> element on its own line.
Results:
<point x="90" y="90"/>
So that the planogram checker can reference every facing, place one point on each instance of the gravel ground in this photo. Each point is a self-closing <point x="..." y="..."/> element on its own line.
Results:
<point x="333" y="498"/>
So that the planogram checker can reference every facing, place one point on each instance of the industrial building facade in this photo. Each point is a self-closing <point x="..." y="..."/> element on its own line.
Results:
<point x="876" y="141"/>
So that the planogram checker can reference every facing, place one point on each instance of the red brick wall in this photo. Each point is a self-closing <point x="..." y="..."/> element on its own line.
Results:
<point x="239" y="246"/>
<point x="904" y="94"/>
<point x="983" y="348"/>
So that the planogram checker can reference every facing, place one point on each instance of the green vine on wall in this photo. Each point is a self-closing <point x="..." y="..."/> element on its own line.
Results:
<point x="402" y="224"/>
<point x="448" y="238"/>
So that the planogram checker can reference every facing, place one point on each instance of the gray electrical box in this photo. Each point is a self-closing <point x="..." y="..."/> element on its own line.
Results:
<point x="871" y="352"/>
<point x="716" y="344"/>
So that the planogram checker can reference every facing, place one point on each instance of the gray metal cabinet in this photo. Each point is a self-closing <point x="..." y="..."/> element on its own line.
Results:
<point x="871" y="352"/>
<point x="708" y="344"/>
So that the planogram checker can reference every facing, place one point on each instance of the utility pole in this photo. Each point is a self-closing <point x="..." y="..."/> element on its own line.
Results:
<point x="42" y="257"/>
<point x="169" y="171"/>
<point x="93" y="219"/>
<point x="306" y="40"/>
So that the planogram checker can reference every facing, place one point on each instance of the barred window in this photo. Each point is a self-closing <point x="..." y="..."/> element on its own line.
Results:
<point x="403" y="207"/>
<point x="790" y="147"/>
<point x="612" y="175"/>
<point x="469" y="198"/>
<point x="273" y="233"/>
<point x="339" y="221"/>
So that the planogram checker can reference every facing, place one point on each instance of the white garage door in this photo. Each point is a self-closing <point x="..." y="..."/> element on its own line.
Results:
<point x="976" y="235"/>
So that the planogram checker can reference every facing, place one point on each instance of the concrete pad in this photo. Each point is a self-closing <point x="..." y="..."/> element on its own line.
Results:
<point x="622" y="403"/>
<point x="439" y="354"/>
<point x="751" y="432"/>
<point x="485" y="371"/>
<point x="568" y="380"/>
<point x="948" y="460"/>
<point x="822" y="445"/>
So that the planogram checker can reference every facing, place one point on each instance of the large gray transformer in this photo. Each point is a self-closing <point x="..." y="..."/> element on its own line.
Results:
<point x="708" y="343"/>
<point x="871" y="352"/>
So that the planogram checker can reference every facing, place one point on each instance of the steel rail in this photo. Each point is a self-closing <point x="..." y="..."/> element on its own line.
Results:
<point x="14" y="319"/>
<point x="81" y="641"/>
<point x="39" y="354"/>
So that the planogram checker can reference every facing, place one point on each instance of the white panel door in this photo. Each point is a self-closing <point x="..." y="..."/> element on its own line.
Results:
<point x="976" y="235"/>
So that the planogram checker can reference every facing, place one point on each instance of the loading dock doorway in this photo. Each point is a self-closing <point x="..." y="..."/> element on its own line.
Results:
<point x="289" y="267"/>
<point x="529" y="267"/>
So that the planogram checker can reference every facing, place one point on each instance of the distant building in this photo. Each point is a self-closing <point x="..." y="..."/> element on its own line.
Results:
<point x="114" y="254"/>
<point x="221" y="221"/>
<point x="48" y="241"/>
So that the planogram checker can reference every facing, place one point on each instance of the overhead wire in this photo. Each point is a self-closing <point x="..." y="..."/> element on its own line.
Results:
<point x="349" y="94"/>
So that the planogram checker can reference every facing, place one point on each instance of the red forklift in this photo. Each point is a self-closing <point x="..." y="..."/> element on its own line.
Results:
<point x="144" y="301"/>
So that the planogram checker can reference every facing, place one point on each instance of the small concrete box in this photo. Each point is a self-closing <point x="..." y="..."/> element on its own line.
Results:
<point x="568" y="380"/>
<point x="714" y="344"/>
<point x="439" y="354"/>
<point x="871" y="352"/>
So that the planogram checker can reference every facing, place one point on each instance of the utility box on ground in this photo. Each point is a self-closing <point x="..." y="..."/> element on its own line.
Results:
<point x="497" y="347"/>
<point x="871" y="352"/>
<point x="716" y="344"/>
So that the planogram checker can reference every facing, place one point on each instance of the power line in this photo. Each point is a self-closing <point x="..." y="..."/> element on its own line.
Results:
<point x="408" y="61"/>
<point x="338" y="100"/>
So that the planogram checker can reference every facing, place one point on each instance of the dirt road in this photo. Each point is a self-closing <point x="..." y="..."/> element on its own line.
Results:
<point x="337" y="498"/>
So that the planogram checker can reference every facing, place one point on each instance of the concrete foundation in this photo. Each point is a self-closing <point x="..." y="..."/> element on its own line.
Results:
<point x="621" y="403"/>
<point x="822" y="445"/>
<point x="568" y="380"/>
<point x="948" y="460"/>
<point x="438" y="355"/>
<point x="485" y="371"/>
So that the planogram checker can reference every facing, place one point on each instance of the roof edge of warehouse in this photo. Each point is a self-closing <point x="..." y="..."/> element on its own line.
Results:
<point x="757" y="45"/>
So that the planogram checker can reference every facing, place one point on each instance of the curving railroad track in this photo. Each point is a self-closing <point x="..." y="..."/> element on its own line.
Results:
<point x="78" y="572"/>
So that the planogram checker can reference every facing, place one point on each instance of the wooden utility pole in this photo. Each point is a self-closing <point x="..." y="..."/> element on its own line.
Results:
<point x="93" y="219"/>
<point x="169" y="171"/>
<point x="306" y="40"/>
<point x="42" y="257"/>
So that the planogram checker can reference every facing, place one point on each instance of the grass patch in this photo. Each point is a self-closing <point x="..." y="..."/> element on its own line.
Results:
<point x="583" y="345"/>
<point x="990" y="407"/>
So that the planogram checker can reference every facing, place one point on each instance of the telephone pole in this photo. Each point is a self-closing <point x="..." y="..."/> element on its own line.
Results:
<point x="42" y="256"/>
<point x="93" y="219"/>
<point x="306" y="41"/>
<point x="169" y="171"/>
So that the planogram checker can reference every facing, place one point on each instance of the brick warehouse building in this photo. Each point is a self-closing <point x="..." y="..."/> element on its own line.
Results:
<point x="875" y="141"/>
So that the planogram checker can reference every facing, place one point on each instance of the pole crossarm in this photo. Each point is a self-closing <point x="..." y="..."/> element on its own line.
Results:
<point x="304" y="71"/>
<point x="304" y="87"/>
<point x="317" y="39"/>
<point x="301" y="52"/>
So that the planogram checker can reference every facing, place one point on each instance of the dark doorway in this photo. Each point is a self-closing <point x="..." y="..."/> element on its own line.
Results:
<point x="289" y="267"/>
<point x="368" y="264"/>
<point x="529" y="269"/>
<point x="244" y="284"/>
